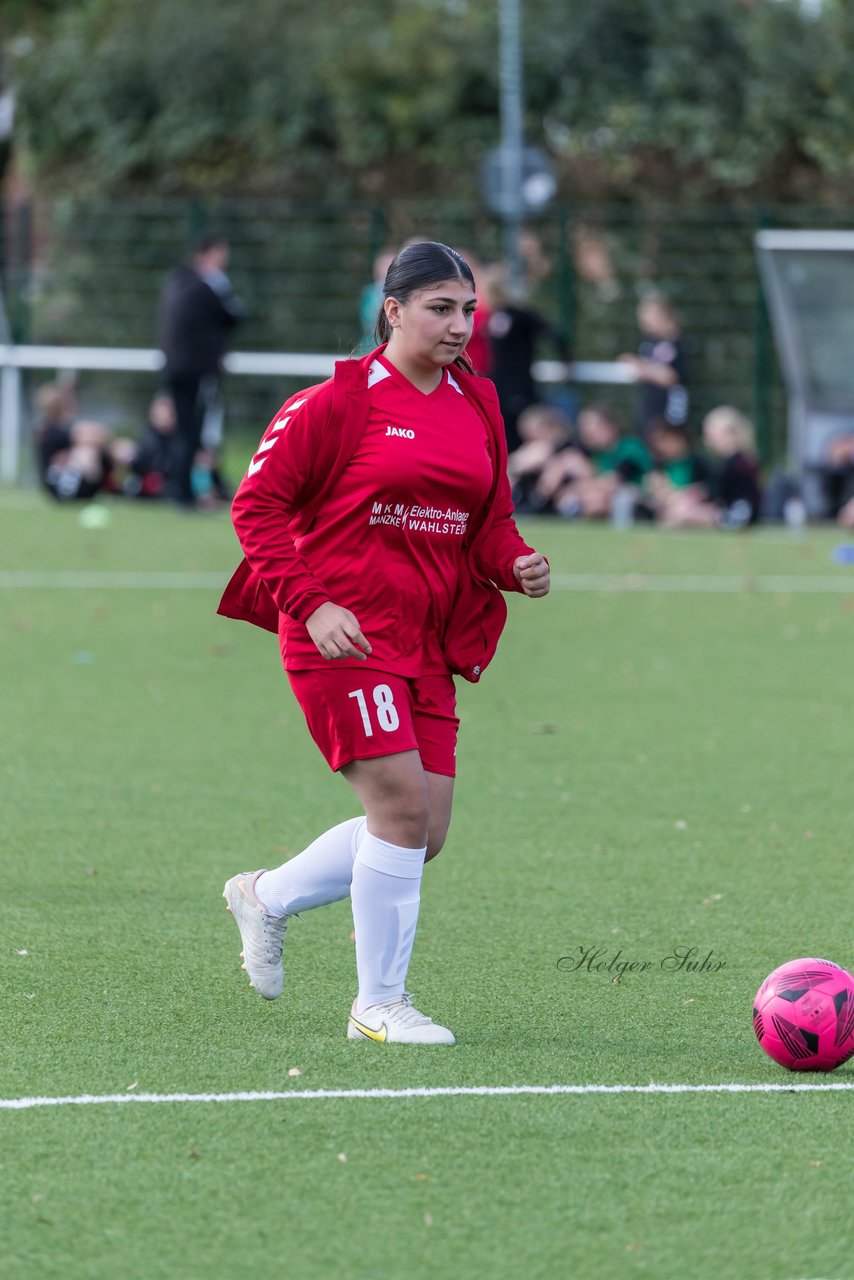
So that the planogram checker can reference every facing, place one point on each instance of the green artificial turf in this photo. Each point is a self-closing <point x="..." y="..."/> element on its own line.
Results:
<point x="639" y="771"/>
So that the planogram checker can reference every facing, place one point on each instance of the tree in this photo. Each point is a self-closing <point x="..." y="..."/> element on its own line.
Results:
<point x="690" y="99"/>
<point x="265" y="95"/>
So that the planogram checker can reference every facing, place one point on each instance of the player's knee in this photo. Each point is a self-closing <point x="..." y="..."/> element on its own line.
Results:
<point x="437" y="834"/>
<point x="414" y="815"/>
<point x="404" y="811"/>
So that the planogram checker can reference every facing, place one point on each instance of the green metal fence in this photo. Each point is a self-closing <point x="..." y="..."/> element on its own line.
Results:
<point x="76" y="271"/>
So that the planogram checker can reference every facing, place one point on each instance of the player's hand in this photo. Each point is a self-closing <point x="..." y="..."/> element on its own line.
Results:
<point x="532" y="574"/>
<point x="336" y="633"/>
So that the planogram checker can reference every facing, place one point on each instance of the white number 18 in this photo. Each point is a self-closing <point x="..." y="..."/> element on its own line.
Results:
<point x="386" y="711"/>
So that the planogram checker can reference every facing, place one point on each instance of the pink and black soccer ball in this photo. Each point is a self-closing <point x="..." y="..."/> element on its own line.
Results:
<point x="803" y="1015"/>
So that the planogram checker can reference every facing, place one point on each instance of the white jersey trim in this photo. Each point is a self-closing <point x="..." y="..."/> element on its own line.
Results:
<point x="376" y="373"/>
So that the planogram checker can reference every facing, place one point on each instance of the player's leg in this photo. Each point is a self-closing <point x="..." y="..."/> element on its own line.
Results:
<point x="431" y="703"/>
<point x="319" y="875"/>
<point x="263" y="901"/>
<point x="436" y="727"/>
<point x="386" y="893"/>
<point x="407" y="813"/>
<point x="323" y="871"/>
<point x="386" y="885"/>
<point x="440" y="791"/>
<point x="348" y="714"/>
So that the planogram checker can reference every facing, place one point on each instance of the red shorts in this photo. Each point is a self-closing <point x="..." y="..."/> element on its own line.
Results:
<point x="359" y="715"/>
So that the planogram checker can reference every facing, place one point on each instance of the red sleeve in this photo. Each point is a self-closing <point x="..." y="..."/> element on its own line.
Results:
<point x="501" y="543"/>
<point x="281" y="477"/>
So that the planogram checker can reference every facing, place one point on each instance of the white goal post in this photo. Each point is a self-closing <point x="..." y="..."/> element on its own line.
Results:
<point x="15" y="358"/>
<point x="808" y="278"/>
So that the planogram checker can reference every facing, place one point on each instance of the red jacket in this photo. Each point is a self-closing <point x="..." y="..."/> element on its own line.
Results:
<point x="301" y="463"/>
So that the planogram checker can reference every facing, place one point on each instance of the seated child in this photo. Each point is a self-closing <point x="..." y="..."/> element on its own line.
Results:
<point x="837" y="479"/>
<point x="543" y="429"/>
<point x="75" y="456"/>
<point x="584" y="480"/>
<point x="153" y="459"/>
<point x="734" y="499"/>
<point x="677" y="471"/>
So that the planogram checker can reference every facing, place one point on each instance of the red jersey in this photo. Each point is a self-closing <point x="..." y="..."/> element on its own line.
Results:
<point x="302" y="465"/>
<point x="388" y="543"/>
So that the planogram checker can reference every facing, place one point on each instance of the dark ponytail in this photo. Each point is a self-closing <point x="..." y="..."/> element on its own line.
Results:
<point x="418" y="266"/>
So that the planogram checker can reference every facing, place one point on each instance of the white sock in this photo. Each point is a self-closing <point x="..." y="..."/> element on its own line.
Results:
<point x="320" y="874"/>
<point x="385" y="892"/>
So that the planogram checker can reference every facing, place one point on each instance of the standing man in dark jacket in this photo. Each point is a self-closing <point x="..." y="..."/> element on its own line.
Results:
<point x="198" y="312"/>
<point x="515" y="332"/>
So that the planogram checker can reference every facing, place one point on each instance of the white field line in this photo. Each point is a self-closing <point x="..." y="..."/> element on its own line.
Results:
<point x="720" y="584"/>
<point x="454" y="1091"/>
<point x="107" y="580"/>
<point x="615" y="583"/>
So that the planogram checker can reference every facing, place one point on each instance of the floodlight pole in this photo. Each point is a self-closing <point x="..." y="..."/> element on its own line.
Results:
<point x="512" y="131"/>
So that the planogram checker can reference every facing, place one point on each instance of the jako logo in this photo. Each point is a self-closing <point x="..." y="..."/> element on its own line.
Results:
<point x="400" y="431"/>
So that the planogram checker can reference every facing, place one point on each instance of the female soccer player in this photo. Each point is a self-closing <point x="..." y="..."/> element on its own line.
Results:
<point x="377" y="527"/>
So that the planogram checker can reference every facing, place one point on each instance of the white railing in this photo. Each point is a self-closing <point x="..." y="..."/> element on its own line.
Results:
<point x="145" y="360"/>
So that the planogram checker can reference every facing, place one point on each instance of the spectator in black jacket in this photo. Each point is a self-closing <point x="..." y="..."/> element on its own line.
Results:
<point x="198" y="313"/>
<point x="515" y="333"/>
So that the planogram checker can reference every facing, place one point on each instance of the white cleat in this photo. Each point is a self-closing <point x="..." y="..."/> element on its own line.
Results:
<point x="262" y="935"/>
<point x="397" y="1022"/>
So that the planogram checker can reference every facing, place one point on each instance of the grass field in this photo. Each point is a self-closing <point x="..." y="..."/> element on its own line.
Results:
<point x="659" y="758"/>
